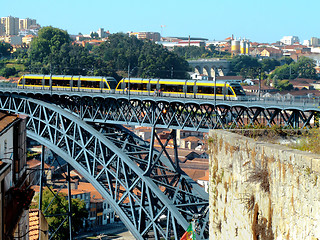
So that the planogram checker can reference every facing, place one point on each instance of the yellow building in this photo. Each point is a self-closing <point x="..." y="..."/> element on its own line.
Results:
<point x="27" y="39"/>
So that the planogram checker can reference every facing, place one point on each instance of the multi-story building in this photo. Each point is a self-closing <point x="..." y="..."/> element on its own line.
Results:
<point x="100" y="211"/>
<point x="14" y="187"/>
<point x="290" y="40"/>
<point x="315" y="42"/>
<point x="26" y="23"/>
<point x="2" y="29"/>
<point x="27" y="39"/>
<point x="102" y="33"/>
<point x="13" y="40"/>
<point x="11" y="25"/>
<point x="153" y="36"/>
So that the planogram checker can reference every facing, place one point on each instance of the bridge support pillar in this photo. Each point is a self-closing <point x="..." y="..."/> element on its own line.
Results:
<point x="69" y="202"/>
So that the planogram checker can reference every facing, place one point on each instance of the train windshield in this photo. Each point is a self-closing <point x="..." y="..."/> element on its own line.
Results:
<point x="238" y="90"/>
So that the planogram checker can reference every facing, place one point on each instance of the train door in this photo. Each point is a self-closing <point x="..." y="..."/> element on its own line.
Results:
<point x="79" y="84"/>
<point x="50" y="82"/>
<point x="71" y="83"/>
<point x="43" y="82"/>
<point x="195" y="89"/>
<point x="185" y="88"/>
<point x="101" y="85"/>
<point x="149" y="87"/>
<point x="124" y="86"/>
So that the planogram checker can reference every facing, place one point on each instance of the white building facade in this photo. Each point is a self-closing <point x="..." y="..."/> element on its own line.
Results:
<point x="290" y="40"/>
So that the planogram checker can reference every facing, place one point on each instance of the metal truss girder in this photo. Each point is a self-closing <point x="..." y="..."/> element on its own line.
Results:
<point x="116" y="175"/>
<point x="196" y="116"/>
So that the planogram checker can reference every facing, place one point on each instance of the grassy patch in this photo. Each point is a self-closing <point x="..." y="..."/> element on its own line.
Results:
<point x="304" y="140"/>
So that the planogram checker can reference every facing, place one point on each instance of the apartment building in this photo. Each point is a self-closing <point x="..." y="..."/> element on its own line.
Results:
<point x="14" y="187"/>
<point x="2" y="29"/>
<point x="11" y="25"/>
<point x="26" y="23"/>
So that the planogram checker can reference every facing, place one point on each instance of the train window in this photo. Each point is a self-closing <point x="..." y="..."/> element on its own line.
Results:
<point x="47" y="82"/>
<point x="93" y="84"/>
<point x="62" y="83"/>
<point x="144" y="86"/>
<point x="179" y="88"/>
<point x="133" y="86"/>
<point x="54" y="82"/>
<point x="65" y="83"/>
<point x="189" y="89"/>
<point x="205" y="89"/>
<point x="153" y="87"/>
<point x="219" y="90"/>
<point x="163" y="87"/>
<point x="90" y="84"/>
<point x="105" y="86"/>
<point x="112" y="83"/>
<point x="36" y="81"/>
<point x="238" y="90"/>
<point x="27" y="81"/>
<point x="229" y="91"/>
<point x="172" y="88"/>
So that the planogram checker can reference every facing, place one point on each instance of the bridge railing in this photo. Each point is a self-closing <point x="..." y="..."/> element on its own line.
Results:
<point x="8" y="85"/>
<point x="249" y="99"/>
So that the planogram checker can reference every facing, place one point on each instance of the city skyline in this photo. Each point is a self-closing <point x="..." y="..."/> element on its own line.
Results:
<point x="253" y="20"/>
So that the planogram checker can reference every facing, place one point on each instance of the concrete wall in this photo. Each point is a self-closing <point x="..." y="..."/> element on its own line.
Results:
<point x="262" y="191"/>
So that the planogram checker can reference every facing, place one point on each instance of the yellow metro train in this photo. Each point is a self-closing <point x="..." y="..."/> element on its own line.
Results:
<point x="136" y="86"/>
<point x="68" y="83"/>
<point x="181" y="88"/>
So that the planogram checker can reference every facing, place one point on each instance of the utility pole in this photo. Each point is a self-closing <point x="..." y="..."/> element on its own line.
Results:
<point x="129" y="80"/>
<point x="259" y="83"/>
<point x="172" y="72"/>
<point x="215" y="86"/>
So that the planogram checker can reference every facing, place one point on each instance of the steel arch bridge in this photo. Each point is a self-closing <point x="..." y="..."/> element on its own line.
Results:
<point x="153" y="200"/>
<point x="147" y="189"/>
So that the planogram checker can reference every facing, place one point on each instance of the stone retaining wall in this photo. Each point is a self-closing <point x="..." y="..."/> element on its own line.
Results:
<point x="262" y="191"/>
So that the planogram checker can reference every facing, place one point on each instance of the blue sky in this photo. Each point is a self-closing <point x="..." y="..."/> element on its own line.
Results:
<point x="257" y="20"/>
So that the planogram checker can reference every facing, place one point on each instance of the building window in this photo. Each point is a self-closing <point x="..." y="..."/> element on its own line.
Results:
<point x="5" y="146"/>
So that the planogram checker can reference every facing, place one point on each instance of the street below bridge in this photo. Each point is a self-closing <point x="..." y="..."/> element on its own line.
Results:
<point x="110" y="231"/>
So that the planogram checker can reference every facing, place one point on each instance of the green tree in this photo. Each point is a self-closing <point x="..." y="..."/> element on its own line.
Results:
<point x="284" y="85"/>
<point x="5" y="49"/>
<point x="156" y="61"/>
<point x="242" y="64"/>
<point x="286" y="60"/>
<point x="49" y="48"/>
<point x="57" y="208"/>
<point x="94" y="35"/>
<point x="145" y="57"/>
<point x="286" y="72"/>
<point x="269" y="64"/>
<point x="306" y="68"/>
<point x="8" y="72"/>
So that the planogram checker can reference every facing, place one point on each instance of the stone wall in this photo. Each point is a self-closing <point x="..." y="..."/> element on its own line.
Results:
<point x="262" y="191"/>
